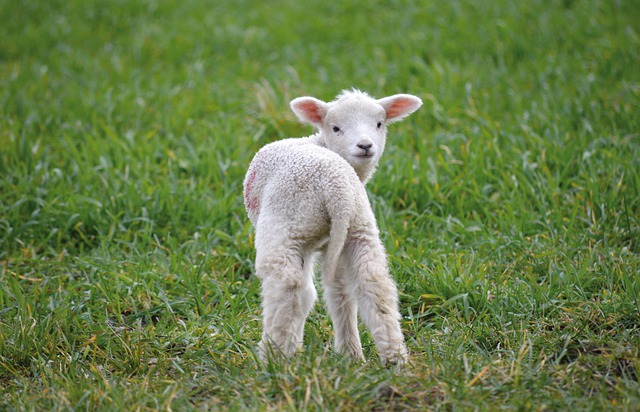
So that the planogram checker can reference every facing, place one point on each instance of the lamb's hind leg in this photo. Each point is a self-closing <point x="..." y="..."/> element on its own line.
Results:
<point x="377" y="297"/>
<point x="343" y="309"/>
<point x="288" y="295"/>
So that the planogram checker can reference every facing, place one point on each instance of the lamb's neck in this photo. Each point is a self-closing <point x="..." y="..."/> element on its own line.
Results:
<point x="366" y="173"/>
<point x="318" y="139"/>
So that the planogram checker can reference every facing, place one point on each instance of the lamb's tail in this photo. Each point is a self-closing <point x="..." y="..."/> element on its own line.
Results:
<point x="337" y="239"/>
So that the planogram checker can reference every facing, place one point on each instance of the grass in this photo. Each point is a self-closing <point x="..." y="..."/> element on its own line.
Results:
<point x="509" y="204"/>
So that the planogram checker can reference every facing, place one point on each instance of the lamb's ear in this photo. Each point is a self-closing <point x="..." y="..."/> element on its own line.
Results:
<point x="399" y="106"/>
<point x="309" y="110"/>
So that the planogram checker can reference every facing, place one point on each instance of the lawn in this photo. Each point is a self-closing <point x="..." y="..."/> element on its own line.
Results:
<point x="509" y="204"/>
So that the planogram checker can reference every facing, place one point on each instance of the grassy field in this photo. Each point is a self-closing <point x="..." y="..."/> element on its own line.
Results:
<point x="509" y="203"/>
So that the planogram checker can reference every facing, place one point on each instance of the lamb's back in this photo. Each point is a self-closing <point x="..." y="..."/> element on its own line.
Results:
<point x="295" y="177"/>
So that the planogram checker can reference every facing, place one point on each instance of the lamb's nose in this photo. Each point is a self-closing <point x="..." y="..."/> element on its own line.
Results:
<point x="365" y="146"/>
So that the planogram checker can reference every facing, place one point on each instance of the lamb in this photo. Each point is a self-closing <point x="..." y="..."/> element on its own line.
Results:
<point x="306" y="196"/>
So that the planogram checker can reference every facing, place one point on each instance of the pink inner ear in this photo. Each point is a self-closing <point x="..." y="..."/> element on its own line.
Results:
<point x="399" y="107"/>
<point x="311" y="111"/>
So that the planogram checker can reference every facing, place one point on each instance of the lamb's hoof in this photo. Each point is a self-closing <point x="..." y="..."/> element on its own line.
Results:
<point x="352" y="351"/>
<point x="395" y="361"/>
<point x="269" y="351"/>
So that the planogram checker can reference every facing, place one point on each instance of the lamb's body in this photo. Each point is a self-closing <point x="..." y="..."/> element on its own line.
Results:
<point x="304" y="198"/>
<point x="298" y="172"/>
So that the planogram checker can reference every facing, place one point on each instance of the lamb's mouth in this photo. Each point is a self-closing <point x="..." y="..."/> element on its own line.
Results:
<point x="364" y="155"/>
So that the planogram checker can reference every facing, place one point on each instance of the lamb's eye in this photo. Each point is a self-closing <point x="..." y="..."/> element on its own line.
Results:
<point x="336" y="129"/>
<point x="379" y="125"/>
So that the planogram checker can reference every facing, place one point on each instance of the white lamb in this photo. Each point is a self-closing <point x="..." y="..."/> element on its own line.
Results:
<point x="307" y="195"/>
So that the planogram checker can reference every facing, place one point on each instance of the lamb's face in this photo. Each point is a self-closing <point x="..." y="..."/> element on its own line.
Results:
<point x="355" y="128"/>
<point x="355" y="124"/>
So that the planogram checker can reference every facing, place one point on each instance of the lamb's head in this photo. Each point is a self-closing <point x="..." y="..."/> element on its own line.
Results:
<point x="354" y="125"/>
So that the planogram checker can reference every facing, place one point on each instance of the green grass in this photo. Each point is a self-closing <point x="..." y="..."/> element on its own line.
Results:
<point x="509" y="204"/>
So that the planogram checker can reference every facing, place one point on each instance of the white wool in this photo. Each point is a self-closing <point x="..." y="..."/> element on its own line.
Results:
<point x="307" y="195"/>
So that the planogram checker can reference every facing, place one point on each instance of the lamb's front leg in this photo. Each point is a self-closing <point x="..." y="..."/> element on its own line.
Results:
<point x="343" y="309"/>
<point x="377" y="297"/>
